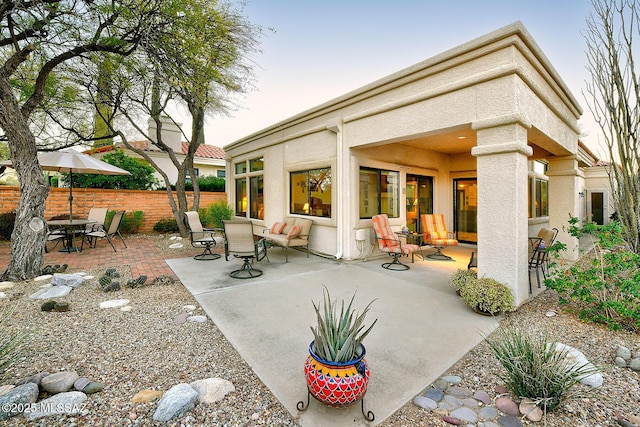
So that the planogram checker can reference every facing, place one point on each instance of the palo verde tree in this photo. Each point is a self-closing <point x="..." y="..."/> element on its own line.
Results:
<point x="196" y="60"/>
<point x="37" y="37"/>
<point x="613" y="95"/>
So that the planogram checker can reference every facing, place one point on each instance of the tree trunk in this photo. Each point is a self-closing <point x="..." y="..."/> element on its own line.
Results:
<point x="29" y="232"/>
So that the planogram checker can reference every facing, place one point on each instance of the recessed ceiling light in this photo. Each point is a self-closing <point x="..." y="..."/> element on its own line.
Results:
<point x="462" y="137"/>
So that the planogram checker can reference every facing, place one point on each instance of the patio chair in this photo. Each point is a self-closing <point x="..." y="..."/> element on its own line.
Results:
<point x="102" y="233"/>
<point x="56" y="235"/>
<point x="538" y="255"/>
<point x="239" y="242"/>
<point x="436" y="235"/>
<point x="390" y="243"/>
<point x="99" y="215"/>
<point x="202" y="237"/>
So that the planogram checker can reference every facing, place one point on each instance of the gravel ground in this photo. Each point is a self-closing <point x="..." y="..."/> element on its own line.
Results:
<point x="145" y="349"/>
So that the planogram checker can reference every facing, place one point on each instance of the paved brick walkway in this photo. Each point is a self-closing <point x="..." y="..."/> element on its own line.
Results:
<point x="141" y="255"/>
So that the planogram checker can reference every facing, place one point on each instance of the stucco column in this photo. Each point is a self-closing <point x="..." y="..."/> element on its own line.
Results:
<point x="565" y="178"/>
<point x="502" y="153"/>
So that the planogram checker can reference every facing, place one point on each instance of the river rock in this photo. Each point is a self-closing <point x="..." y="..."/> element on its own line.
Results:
<point x="81" y="383"/>
<point x="114" y="303"/>
<point x="59" y="382"/>
<point x="459" y="391"/>
<point x="530" y="410"/>
<point x="181" y="318"/>
<point x="146" y="396"/>
<point x="434" y="394"/>
<point x="623" y="352"/>
<point x="4" y="389"/>
<point x="424" y="402"/>
<point x="3" y="295"/>
<point x="63" y="403"/>
<point x="51" y="292"/>
<point x="452" y="420"/>
<point x="36" y="379"/>
<point x="577" y="360"/>
<point x="212" y="390"/>
<point x="509" y="421"/>
<point x="452" y="379"/>
<point x="507" y="406"/>
<point x="482" y="396"/>
<point x="465" y="414"/>
<point x="634" y="364"/>
<point x="71" y="280"/>
<point x="93" y="387"/>
<point x="42" y="278"/>
<point x="620" y="362"/>
<point x="177" y="401"/>
<point x="6" y="285"/>
<point x="197" y="319"/>
<point x="488" y="413"/>
<point x="23" y="394"/>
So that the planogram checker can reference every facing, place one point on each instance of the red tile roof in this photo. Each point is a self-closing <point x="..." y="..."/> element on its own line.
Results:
<point x="203" y="151"/>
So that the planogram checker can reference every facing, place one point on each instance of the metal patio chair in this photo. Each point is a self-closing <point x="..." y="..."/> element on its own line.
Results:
<point x="240" y="242"/>
<point x="201" y="237"/>
<point x="102" y="233"/>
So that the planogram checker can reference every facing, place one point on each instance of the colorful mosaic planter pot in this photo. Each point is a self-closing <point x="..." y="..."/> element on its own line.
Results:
<point x="337" y="384"/>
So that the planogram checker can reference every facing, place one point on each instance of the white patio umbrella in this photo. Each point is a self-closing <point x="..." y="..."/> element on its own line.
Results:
<point x="74" y="162"/>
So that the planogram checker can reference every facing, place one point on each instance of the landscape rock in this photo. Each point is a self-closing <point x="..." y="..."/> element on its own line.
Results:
<point x="575" y="359"/>
<point x="51" y="292"/>
<point x="623" y="352"/>
<point x="459" y="391"/>
<point x="36" y="379"/>
<point x="146" y="396"/>
<point x="452" y="420"/>
<point x="211" y="390"/>
<point x="465" y="414"/>
<point x="620" y="362"/>
<point x="434" y="394"/>
<point x="114" y="303"/>
<point x="424" y="402"/>
<point x="488" y="413"/>
<point x="4" y="389"/>
<point x="181" y="318"/>
<point x="509" y="421"/>
<point x="3" y="295"/>
<point x="71" y="280"/>
<point x="93" y="387"/>
<point x="6" y="285"/>
<point x="63" y="403"/>
<point x="530" y="410"/>
<point x="59" y="382"/>
<point x="177" y="401"/>
<point x="21" y="395"/>
<point x="42" y="278"/>
<point x="634" y="364"/>
<point x="482" y="396"/>
<point x="197" y="319"/>
<point x="81" y="383"/>
<point x="507" y="406"/>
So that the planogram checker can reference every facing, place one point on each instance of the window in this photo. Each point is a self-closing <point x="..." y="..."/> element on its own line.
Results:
<point x="195" y="170"/>
<point x="311" y="192"/>
<point x="249" y="188"/>
<point x="379" y="192"/>
<point x="220" y="173"/>
<point x="538" y="191"/>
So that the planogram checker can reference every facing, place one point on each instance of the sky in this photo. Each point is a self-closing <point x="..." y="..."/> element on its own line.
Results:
<point x="319" y="50"/>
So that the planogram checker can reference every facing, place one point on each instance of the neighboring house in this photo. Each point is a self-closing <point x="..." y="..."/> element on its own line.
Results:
<point x="208" y="160"/>
<point x="485" y="133"/>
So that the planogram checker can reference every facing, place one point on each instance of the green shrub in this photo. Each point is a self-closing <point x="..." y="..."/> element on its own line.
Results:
<point x="7" y="221"/>
<point x="535" y="369"/>
<point x="461" y="278"/>
<point x="604" y="285"/>
<point x="131" y="221"/>
<point x="487" y="295"/>
<point x="215" y="213"/>
<point x="166" y="225"/>
<point x="208" y="183"/>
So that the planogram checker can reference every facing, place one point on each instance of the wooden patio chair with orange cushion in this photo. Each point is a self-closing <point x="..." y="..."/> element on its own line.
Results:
<point x="436" y="235"/>
<point x="390" y="243"/>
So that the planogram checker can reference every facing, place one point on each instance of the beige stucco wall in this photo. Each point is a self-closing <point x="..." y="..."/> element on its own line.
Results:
<point x="499" y="88"/>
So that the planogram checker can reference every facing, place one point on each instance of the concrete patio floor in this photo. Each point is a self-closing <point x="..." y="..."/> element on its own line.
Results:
<point x="423" y="327"/>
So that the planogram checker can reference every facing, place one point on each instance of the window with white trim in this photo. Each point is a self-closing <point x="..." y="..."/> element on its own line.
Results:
<point x="249" y="186"/>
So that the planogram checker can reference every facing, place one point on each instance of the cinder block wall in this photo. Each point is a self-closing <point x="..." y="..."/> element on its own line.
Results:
<point x="154" y="204"/>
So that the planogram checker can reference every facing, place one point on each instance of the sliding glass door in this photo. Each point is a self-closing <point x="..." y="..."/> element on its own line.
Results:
<point x="419" y="200"/>
<point x="465" y="209"/>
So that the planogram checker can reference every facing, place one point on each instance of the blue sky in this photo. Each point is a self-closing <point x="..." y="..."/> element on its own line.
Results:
<point x="322" y="49"/>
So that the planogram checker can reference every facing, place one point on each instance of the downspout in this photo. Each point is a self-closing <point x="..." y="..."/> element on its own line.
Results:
<point x="335" y="125"/>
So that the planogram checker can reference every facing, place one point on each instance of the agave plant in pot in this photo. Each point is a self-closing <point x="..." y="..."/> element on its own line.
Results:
<point x="336" y="372"/>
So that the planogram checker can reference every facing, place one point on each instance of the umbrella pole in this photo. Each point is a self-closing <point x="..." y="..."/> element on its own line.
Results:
<point x="70" y="196"/>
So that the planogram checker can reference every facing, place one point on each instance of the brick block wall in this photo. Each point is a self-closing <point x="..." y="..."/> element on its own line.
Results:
<point x="154" y="204"/>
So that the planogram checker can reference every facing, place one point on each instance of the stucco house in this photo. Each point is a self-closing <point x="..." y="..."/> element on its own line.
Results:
<point x="485" y="133"/>
<point x="208" y="159"/>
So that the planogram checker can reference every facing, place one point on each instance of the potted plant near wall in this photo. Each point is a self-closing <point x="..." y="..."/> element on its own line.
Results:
<point x="336" y="372"/>
<point x="461" y="277"/>
<point x="487" y="296"/>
